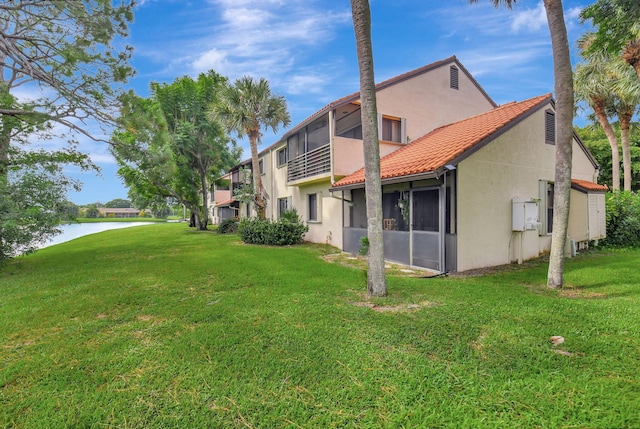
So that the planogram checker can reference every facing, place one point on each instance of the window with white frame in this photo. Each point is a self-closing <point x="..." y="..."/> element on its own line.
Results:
<point x="284" y="204"/>
<point x="314" y="209"/>
<point x="390" y="129"/>
<point x="261" y="166"/>
<point x="282" y="156"/>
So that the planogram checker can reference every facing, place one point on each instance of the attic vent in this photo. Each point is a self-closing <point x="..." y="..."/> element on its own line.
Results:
<point x="550" y="127"/>
<point x="453" y="77"/>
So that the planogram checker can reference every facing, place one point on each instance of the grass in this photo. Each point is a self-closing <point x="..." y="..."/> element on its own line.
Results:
<point x="162" y="326"/>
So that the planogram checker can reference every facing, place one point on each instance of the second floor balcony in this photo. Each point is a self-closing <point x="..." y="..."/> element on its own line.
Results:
<point x="312" y="163"/>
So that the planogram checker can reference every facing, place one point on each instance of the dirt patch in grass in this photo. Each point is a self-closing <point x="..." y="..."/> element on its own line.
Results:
<point x="394" y="308"/>
<point x="580" y="293"/>
<point x="391" y="268"/>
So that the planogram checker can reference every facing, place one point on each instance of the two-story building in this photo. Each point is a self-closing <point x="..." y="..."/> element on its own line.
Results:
<point x="457" y="171"/>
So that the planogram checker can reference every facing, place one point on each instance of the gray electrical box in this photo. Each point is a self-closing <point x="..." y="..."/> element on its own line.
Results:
<point x="524" y="215"/>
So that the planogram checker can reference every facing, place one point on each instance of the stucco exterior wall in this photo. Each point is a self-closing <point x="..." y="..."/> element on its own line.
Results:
<point x="348" y="155"/>
<point x="328" y="228"/>
<point x="509" y="167"/>
<point x="428" y="102"/>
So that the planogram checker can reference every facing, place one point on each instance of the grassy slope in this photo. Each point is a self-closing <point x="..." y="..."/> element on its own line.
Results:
<point x="160" y="326"/>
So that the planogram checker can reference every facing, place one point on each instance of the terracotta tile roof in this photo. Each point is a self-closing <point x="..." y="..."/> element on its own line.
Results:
<point x="586" y="186"/>
<point x="448" y="143"/>
<point x="226" y="202"/>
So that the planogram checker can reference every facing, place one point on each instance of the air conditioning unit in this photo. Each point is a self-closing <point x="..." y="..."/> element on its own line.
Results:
<point x="524" y="214"/>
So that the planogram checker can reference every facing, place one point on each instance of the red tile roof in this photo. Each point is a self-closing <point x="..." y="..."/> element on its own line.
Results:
<point x="586" y="186"/>
<point x="448" y="143"/>
<point x="226" y="202"/>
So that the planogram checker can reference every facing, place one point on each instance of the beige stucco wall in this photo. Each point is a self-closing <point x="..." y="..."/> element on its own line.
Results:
<point x="428" y="102"/>
<point x="509" y="167"/>
<point x="348" y="155"/>
<point x="328" y="229"/>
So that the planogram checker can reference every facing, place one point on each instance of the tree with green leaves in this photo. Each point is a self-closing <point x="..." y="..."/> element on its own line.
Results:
<point x="376" y="280"/>
<point x="166" y="146"/>
<point x="617" y="25"/>
<point x="246" y="107"/>
<point x="118" y="203"/>
<point x="64" y="52"/>
<point x="627" y="100"/>
<point x="563" y="83"/>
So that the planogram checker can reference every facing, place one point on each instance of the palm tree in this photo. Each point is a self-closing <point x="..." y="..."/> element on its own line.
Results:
<point x="245" y="108"/>
<point x="627" y="95"/>
<point x="563" y="82"/>
<point x="617" y="29"/>
<point x="376" y="281"/>
<point x="593" y="83"/>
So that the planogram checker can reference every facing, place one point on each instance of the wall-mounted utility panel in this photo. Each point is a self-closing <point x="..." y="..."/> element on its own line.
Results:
<point x="524" y="215"/>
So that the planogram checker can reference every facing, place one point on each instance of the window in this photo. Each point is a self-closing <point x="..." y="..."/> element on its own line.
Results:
<point x="453" y="77"/>
<point x="317" y="134"/>
<point x="353" y="133"/>
<point x="391" y="129"/>
<point x="550" y="127"/>
<point x="313" y="207"/>
<point x="261" y="166"/>
<point x="283" y="205"/>
<point x="282" y="156"/>
<point x="295" y="146"/>
<point x="546" y="207"/>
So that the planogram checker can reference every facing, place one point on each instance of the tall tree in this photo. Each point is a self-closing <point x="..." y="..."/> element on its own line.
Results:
<point x="376" y="281"/>
<point x="593" y="84"/>
<point x="64" y="52"/>
<point x="627" y="100"/>
<point x="563" y="82"/>
<point x="166" y="145"/>
<point x="246" y="107"/>
<point x="618" y="29"/>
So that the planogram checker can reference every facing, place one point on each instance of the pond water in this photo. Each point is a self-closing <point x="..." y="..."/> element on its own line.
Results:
<point x="76" y="230"/>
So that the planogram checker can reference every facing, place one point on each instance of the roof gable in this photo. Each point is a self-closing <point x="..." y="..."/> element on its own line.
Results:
<point x="450" y="143"/>
<point x="351" y="98"/>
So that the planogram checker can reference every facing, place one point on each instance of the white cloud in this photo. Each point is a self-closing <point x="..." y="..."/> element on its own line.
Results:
<point x="306" y="84"/>
<point x="530" y="20"/>
<point x="212" y="59"/>
<point x="263" y="39"/>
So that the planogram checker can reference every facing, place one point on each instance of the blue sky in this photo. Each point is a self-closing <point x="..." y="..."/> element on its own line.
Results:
<point x="306" y="49"/>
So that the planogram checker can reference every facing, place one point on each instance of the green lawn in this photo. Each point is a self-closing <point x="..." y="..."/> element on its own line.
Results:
<point x="162" y="326"/>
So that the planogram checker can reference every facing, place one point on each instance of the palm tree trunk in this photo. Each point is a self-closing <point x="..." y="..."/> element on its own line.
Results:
<point x="376" y="281"/>
<point x="625" y="123"/>
<point x="599" y="110"/>
<point x="257" y="178"/>
<point x="563" y="79"/>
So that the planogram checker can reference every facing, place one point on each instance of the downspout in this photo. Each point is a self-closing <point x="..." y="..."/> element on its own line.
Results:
<point x="331" y="145"/>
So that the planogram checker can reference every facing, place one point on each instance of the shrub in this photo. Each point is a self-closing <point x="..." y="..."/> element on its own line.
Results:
<point x="228" y="226"/>
<point x="364" y="246"/>
<point x="623" y="219"/>
<point x="286" y="231"/>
